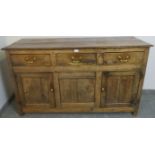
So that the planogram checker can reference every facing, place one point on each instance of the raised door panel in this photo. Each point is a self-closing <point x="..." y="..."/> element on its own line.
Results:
<point x="86" y="90"/>
<point x="77" y="89"/>
<point x="36" y="89"/>
<point x="68" y="90"/>
<point x="119" y="88"/>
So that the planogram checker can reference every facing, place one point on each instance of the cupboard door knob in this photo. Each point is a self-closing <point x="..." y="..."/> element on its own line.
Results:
<point x="52" y="90"/>
<point x="103" y="89"/>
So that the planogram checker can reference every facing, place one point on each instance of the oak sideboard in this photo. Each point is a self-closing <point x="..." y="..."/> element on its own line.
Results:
<point x="97" y="74"/>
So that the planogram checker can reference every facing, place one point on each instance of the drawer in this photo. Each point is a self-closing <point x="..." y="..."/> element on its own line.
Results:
<point x="75" y="59"/>
<point x="123" y="58"/>
<point x="31" y="59"/>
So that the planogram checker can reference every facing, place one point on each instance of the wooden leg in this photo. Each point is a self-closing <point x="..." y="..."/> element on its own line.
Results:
<point x="135" y="113"/>
<point x="21" y="113"/>
<point x="18" y="108"/>
<point x="17" y="105"/>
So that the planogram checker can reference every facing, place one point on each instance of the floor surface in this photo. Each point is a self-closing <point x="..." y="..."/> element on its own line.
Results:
<point x="147" y="110"/>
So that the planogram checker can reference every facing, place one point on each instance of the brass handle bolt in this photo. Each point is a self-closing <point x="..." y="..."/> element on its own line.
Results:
<point x="30" y="60"/>
<point x="123" y="59"/>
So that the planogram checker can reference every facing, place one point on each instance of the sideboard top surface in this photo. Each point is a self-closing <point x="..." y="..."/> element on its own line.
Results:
<point x="78" y="42"/>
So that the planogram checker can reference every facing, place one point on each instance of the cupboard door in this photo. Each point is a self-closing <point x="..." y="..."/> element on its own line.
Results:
<point x="36" y="89"/>
<point x="77" y="89"/>
<point x="119" y="88"/>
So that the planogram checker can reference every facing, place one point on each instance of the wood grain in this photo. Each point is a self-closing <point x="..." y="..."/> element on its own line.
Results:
<point x="119" y="88"/>
<point x="85" y="42"/>
<point x="77" y="88"/>
<point x="36" y="89"/>
<point x="78" y="74"/>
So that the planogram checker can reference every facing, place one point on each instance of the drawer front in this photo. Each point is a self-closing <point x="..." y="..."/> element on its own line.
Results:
<point x="123" y="58"/>
<point x="31" y="59"/>
<point x="65" y="59"/>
